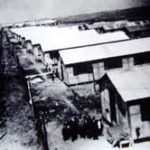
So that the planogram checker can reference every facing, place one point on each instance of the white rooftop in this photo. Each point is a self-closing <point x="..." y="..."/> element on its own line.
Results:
<point x="133" y="84"/>
<point x="56" y="38"/>
<point x="104" y="51"/>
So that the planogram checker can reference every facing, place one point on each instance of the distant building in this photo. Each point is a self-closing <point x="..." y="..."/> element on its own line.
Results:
<point x="137" y="31"/>
<point x="103" y="27"/>
<point x="125" y="98"/>
<point x="38" y="53"/>
<point x="29" y="57"/>
<point x="88" y="64"/>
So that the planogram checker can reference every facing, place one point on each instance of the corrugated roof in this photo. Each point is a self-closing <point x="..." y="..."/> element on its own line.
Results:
<point x="104" y="51"/>
<point x="133" y="84"/>
<point x="54" y="38"/>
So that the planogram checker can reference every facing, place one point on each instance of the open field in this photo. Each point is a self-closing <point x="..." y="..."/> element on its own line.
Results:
<point x="127" y="14"/>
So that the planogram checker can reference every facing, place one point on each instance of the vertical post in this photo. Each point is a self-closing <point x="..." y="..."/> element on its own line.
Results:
<point x="94" y="85"/>
<point x="42" y="125"/>
<point x="14" y="53"/>
<point x="30" y="97"/>
<point x="129" y="124"/>
<point x="45" y="142"/>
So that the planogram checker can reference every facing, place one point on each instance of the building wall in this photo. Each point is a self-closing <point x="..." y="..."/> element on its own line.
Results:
<point x="134" y="114"/>
<point x="138" y="34"/>
<point x="136" y="122"/>
<point x="119" y="117"/>
<point x="98" y="70"/>
<point x="105" y="103"/>
<point x="70" y="78"/>
<point x="112" y="106"/>
<point x="128" y="63"/>
<point x="47" y="59"/>
<point x="38" y="53"/>
<point x="100" y="67"/>
<point x="29" y="46"/>
<point x="65" y="74"/>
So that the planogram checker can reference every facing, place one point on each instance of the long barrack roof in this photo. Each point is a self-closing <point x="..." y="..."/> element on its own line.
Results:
<point x="59" y="38"/>
<point x="105" y="51"/>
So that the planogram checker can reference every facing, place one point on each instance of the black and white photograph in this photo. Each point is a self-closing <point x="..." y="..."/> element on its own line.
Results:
<point x="75" y="75"/>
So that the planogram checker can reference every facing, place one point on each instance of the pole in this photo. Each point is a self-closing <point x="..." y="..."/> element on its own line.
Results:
<point x="45" y="142"/>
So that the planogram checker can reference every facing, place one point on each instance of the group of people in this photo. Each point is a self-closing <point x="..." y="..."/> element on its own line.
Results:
<point x="83" y="126"/>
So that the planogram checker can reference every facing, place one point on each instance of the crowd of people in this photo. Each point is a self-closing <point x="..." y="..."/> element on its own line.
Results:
<point x="82" y="126"/>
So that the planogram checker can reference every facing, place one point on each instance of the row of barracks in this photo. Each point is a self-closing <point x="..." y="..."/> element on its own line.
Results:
<point x="118" y="65"/>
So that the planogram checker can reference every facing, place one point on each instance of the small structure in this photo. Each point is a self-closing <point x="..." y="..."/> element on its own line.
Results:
<point x="37" y="50"/>
<point x="137" y="31"/>
<point x="29" y="45"/>
<point x="88" y="64"/>
<point x="109" y="26"/>
<point x="45" y="22"/>
<point x="125" y="99"/>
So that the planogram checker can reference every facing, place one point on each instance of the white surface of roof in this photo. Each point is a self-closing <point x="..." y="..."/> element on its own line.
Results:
<point x="133" y="84"/>
<point x="55" y="38"/>
<point x="104" y="51"/>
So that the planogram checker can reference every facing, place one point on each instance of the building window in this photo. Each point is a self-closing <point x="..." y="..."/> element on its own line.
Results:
<point x="145" y="110"/>
<point x="142" y="59"/>
<point x="113" y="63"/>
<point x="128" y="63"/>
<point x="82" y="69"/>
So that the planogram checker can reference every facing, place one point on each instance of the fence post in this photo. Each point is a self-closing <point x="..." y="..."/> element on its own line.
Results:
<point x="45" y="142"/>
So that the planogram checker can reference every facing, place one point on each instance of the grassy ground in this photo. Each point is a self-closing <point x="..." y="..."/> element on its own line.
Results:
<point x="85" y="99"/>
<point x="60" y="102"/>
<point x="51" y="97"/>
<point x="18" y="113"/>
<point x="19" y="118"/>
<point x="28" y="62"/>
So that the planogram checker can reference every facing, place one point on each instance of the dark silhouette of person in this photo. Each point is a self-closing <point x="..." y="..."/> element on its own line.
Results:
<point x="137" y="130"/>
<point x="66" y="131"/>
<point x="95" y="129"/>
<point x="74" y="128"/>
